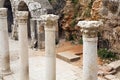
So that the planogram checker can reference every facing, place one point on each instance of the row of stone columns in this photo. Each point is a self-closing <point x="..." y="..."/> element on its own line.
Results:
<point x="37" y="28"/>
<point x="89" y="29"/>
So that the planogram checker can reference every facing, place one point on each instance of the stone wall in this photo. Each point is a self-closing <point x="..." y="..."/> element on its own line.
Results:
<point x="110" y="13"/>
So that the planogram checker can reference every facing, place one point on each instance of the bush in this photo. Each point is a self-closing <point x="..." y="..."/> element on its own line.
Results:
<point x="103" y="53"/>
<point x="80" y="41"/>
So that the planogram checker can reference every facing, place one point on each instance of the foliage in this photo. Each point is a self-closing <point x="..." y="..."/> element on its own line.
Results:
<point x="73" y="23"/>
<point x="87" y="12"/>
<point x="103" y="53"/>
<point x="90" y="4"/>
<point x="75" y="1"/>
<point x="80" y="41"/>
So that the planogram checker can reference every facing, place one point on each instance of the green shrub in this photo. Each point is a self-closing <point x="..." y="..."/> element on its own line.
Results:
<point x="87" y="12"/>
<point x="73" y="23"/>
<point x="107" y="55"/>
<point x="75" y="1"/>
<point x="80" y="41"/>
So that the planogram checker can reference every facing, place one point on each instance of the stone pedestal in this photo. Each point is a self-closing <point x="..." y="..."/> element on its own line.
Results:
<point x="50" y="53"/>
<point x="90" y="66"/>
<point x="4" y="44"/>
<point x="22" y="17"/>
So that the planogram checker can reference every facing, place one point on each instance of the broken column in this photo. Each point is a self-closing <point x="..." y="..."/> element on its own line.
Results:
<point x="50" y="53"/>
<point x="22" y="17"/>
<point x="90" y="66"/>
<point x="4" y="44"/>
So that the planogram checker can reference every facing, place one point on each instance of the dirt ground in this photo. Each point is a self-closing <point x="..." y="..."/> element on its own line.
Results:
<point x="75" y="49"/>
<point x="64" y="46"/>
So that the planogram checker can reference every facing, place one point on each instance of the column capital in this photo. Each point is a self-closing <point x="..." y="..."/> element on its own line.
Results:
<point x="89" y="28"/>
<point x="22" y="16"/>
<point x="51" y="20"/>
<point x="3" y="12"/>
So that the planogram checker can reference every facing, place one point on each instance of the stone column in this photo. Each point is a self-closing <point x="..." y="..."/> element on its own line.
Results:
<point x="40" y="33"/>
<point x="50" y="53"/>
<point x="90" y="66"/>
<point x="4" y="44"/>
<point x="57" y="34"/>
<point x="32" y="24"/>
<point x="22" y="17"/>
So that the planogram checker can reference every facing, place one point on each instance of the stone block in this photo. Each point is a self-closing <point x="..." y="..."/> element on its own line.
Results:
<point x="111" y="77"/>
<point x="68" y="56"/>
<point x="115" y="64"/>
<point x="101" y="78"/>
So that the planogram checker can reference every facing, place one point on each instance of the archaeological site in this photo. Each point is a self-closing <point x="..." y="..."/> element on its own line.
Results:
<point x="59" y="39"/>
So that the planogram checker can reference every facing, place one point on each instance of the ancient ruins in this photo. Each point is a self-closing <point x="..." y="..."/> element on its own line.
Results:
<point x="29" y="26"/>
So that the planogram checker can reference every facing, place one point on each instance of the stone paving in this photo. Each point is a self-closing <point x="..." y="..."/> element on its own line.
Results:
<point x="64" y="71"/>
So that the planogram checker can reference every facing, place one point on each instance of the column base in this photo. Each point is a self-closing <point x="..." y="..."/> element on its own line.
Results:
<point x="5" y="73"/>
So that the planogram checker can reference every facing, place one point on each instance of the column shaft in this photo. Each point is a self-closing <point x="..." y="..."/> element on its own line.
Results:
<point x="90" y="58"/>
<point x="40" y="34"/>
<point x="4" y="44"/>
<point x="50" y="55"/>
<point x="32" y="22"/>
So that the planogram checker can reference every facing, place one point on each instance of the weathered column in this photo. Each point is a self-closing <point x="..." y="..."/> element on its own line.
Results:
<point x="90" y="66"/>
<point x="4" y="44"/>
<point x="22" y="17"/>
<point x="40" y="33"/>
<point x="50" y="28"/>
<point x="32" y="24"/>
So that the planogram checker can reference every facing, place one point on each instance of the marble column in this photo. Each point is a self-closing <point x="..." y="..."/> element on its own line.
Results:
<point x="22" y="17"/>
<point x="4" y="44"/>
<point x="32" y="24"/>
<point x="50" y="53"/>
<point x="90" y="66"/>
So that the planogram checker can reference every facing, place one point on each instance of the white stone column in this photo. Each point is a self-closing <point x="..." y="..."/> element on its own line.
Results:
<point x="4" y="44"/>
<point x="90" y="66"/>
<point x="22" y="17"/>
<point x="32" y="24"/>
<point x="50" y="51"/>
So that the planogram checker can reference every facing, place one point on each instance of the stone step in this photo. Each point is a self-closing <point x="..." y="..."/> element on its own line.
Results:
<point x="68" y="56"/>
